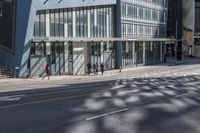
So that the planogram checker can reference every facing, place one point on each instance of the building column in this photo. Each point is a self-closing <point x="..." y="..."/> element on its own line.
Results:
<point x="151" y="49"/>
<point x="161" y="51"/>
<point x="134" y="54"/>
<point x="48" y="49"/>
<point x="107" y="26"/>
<point x="74" y="23"/>
<point x="144" y="53"/>
<point x="88" y="14"/>
<point x="65" y="25"/>
<point x="66" y="53"/>
<point x="47" y="24"/>
<point x="101" y="46"/>
<point x="118" y="54"/>
<point x="66" y="50"/>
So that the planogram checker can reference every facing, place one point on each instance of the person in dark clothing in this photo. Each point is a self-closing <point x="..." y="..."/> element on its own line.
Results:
<point x="97" y="68"/>
<point x="47" y="71"/>
<point x="102" y="68"/>
<point x="89" y="68"/>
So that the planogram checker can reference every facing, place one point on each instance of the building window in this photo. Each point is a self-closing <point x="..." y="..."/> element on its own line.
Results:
<point x="130" y="10"/>
<point x="148" y="14"/>
<point x="155" y="15"/>
<point x="140" y="13"/>
<point x="123" y="8"/>
<point x="69" y="23"/>
<point x="127" y="53"/>
<point x="61" y="23"/>
<point x="104" y="47"/>
<point x="37" y="25"/>
<point x="52" y="22"/>
<point x="53" y="54"/>
<point x="40" y="49"/>
<point x="40" y="24"/>
<point x="57" y="23"/>
<point x="33" y="49"/>
<point x="95" y="49"/>
<point x="85" y="23"/>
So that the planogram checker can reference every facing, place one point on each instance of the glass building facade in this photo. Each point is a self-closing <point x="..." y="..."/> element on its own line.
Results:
<point x="143" y="19"/>
<point x="73" y="57"/>
<point x="139" y="19"/>
<point x="76" y="22"/>
<point x="70" y="34"/>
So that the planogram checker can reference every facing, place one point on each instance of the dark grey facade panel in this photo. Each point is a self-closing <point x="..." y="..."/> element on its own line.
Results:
<point x="7" y="23"/>
<point x="197" y="19"/>
<point x="24" y="23"/>
<point x="175" y="15"/>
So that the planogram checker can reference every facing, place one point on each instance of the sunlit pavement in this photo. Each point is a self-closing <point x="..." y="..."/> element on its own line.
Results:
<point x="165" y="99"/>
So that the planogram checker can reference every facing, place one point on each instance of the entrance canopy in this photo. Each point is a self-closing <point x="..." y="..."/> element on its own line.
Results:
<point x="85" y="39"/>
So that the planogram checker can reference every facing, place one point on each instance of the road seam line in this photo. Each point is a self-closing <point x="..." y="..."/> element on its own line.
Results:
<point x="184" y="94"/>
<point x="106" y="114"/>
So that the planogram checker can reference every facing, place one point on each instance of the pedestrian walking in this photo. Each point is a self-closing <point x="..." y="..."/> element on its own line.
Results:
<point x="89" y="68"/>
<point x="47" y="71"/>
<point x="102" y="68"/>
<point x="94" y="69"/>
<point x="97" y="68"/>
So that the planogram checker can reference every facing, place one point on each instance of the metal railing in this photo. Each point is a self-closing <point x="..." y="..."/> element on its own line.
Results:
<point x="6" y="70"/>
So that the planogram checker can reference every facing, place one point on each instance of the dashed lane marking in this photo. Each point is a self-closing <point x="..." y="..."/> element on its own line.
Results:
<point x="106" y="114"/>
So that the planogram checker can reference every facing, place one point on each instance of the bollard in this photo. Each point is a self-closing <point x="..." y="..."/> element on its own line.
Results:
<point x="16" y="70"/>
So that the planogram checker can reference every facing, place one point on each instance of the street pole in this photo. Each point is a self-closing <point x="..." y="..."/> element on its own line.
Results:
<point x="176" y="44"/>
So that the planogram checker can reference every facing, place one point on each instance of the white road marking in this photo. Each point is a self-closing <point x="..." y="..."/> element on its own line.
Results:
<point x="106" y="114"/>
<point x="11" y="98"/>
<point x="116" y="87"/>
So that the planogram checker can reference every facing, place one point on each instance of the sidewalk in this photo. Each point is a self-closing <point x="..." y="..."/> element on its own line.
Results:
<point x="68" y="77"/>
<point x="186" y="61"/>
<point x="23" y="84"/>
<point x="108" y="73"/>
<point x="20" y="84"/>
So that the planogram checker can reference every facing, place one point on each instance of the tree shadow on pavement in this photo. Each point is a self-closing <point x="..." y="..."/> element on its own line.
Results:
<point x="156" y="104"/>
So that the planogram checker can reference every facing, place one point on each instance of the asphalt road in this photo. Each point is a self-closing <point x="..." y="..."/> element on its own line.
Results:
<point x="151" y="101"/>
